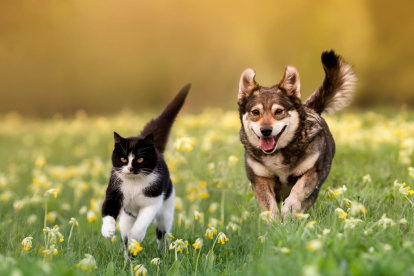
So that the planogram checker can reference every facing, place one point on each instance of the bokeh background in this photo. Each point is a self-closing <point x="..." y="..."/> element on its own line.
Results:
<point x="105" y="56"/>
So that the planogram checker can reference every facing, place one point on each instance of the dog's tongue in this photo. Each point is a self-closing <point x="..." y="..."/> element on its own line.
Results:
<point x="267" y="143"/>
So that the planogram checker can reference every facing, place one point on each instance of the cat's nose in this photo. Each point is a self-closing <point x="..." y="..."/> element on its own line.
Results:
<point x="129" y="168"/>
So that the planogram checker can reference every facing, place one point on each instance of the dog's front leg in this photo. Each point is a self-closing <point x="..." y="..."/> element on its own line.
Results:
<point x="264" y="192"/>
<point x="301" y="196"/>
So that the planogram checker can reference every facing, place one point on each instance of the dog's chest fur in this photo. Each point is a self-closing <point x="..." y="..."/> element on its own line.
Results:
<point x="133" y="192"/>
<point x="278" y="166"/>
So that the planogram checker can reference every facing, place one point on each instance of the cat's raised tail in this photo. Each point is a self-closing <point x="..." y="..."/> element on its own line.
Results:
<point x="160" y="127"/>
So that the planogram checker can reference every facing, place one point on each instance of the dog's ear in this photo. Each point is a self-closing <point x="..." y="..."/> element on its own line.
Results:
<point x="291" y="82"/>
<point x="247" y="84"/>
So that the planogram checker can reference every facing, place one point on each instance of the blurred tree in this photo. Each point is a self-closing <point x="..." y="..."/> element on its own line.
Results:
<point x="62" y="56"/>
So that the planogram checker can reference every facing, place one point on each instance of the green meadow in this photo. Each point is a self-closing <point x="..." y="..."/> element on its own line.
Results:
<point x="54" y="170"/>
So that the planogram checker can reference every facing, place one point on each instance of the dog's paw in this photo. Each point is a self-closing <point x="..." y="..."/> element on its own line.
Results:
<point x="291" y="206"/>
<point x="108" y="227"/>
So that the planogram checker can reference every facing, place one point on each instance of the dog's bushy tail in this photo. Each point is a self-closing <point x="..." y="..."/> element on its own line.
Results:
<point x="338" y="87"/>
<point x="160" y="127"/>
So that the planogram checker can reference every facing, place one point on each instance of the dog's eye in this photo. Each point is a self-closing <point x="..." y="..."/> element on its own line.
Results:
<point x="123" y="160"/>
<point x="256" y="112"/>
<point x="140" y="160"/>
<point x="278" y="111"/>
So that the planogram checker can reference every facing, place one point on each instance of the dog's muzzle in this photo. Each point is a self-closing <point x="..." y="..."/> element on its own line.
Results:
<point x="268" y="144"/>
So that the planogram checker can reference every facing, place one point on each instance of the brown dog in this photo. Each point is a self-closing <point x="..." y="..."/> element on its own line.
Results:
<point x="288" y="146"/>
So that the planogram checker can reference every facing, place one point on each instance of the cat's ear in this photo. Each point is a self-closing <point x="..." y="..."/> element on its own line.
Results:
<point x="149" y="139"/>
<point x="117" y="138"/>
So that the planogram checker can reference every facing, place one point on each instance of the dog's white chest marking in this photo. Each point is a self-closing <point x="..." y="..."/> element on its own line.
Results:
<point x="132" y="189"/>
<point x="306" y="164"/>
<point x="273" y="166"/>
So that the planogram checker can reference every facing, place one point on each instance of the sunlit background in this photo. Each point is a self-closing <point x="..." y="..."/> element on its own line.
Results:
<point x="105" y="56"/>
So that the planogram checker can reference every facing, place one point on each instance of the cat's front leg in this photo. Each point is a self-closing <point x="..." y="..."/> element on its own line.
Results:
<point x="108" y="227"/>
<point x="110" y="209"/>
<point x="145" y="217"/>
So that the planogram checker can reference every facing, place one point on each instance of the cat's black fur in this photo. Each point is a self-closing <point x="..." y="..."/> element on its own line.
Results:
<point x="149" y="145"/>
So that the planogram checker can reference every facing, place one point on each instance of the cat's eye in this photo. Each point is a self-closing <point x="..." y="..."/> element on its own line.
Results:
<point x="140" y="160"/>
<point x="123" y="160"/>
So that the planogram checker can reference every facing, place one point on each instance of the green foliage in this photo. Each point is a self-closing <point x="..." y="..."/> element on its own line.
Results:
<point x="74" y="156"/>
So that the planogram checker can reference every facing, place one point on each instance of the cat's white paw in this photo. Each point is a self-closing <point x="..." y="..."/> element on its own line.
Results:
<point x="136" y="234"/>
<point x="108" y="227"/>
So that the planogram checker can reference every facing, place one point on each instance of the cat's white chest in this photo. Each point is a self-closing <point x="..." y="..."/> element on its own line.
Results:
<point x="132" y="190"/>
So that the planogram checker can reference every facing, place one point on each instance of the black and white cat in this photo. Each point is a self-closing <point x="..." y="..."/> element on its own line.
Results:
<point x="140" y="189"/>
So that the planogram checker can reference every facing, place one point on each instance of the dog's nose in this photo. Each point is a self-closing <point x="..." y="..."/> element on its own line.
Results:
<point x="266" y="131"/>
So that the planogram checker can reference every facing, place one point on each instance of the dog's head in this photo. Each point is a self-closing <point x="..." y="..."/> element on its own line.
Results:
<point x="270" y="115"/>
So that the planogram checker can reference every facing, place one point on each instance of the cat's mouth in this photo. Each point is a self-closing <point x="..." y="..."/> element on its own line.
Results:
<point x="135" y="173"/>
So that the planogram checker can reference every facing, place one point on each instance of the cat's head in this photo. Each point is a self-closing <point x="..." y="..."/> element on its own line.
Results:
<point x="134" y="156"/>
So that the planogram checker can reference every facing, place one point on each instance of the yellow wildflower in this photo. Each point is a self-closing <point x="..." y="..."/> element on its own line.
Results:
<point x="113" y="238"/>
<point x="155" y="261"/>
<point x="263" y="238"/>
<point x="311" y="225"/>
<point x="178" y="203"/>
<point x="403" y="189"/>
<point x="385" y="222"/>
<point x="40" y="162"/>
<point x="302" y="216"/>
<point x="179" y="245"/>
<point x="27" y="243"/>
<point x="83" y="210"/>
<point x="213" y="207"/>
<point x="221" y="238"/>
<point x="402" y="221"/>
<point x="31" y="219"/>
<point x="210" y="167"/>
<point x="140" y="269"/>
<point x="198" y="244"/>
<point x="53" y="192"/>
<point x="91" y="216"/>
<point x="134" y="247"/>
<point x="198" y="215"/>
<point x="411" y="172"/>
<point x="326" y="232"/>
<point x="265" y="216"/>
<point x="51" y="217"/>
<point x="245" y="215"/>
<point x="366" y="179"/>
<point x="210" y="232"/>
<point x="314" y="245"/>
<point x="5" y="196"/>
<point x="341" y="213"/>
<point x="184" y="144"/>
<point x="348" y="202"/>
<point x="357" y="208"/>
<point x="73" y="222"/>
<point x="169" y="236"/>
<point x="213" y="222"/>
<point x="284" y="250"/>
<point x="336" y="192"/>
<point x="233" y="226"/>
<point x="232" y="161"/>
<point x="88" y="263"/>
<point x="351" y="223"/>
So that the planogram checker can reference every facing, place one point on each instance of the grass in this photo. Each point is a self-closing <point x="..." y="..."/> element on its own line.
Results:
<point x="73" y="156"/>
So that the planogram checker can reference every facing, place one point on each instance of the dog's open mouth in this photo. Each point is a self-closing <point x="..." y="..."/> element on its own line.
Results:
<point x="268" y="144"/>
